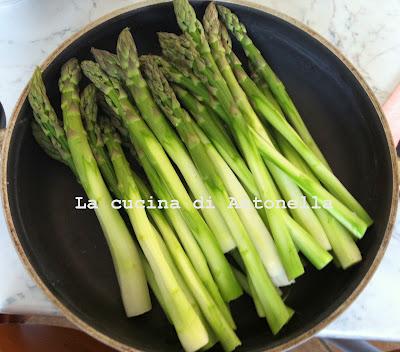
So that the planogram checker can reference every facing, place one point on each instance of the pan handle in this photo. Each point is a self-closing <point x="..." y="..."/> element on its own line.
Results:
<point x="392" y="111"/>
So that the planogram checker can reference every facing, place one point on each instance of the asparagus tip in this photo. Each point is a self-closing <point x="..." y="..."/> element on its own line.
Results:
<point x="126" y="50"/>
<point x="211" y="21"/>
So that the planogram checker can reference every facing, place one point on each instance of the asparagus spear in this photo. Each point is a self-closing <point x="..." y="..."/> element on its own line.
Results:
<point x="189" y="24"/>
<point x="142" y="137"/>
<point x="137" y="86"/>
<point x="259" y="63"/>
<point x="47" y="119"/>
<point x="88" y="108"/>
<point x="270" y="113"/>
<point x="155" y="287"/>
<point x="108" y="62"/>
<point x="181" y="49"/>
<point x="188" y="325"/>
<point x="124" y="253"/>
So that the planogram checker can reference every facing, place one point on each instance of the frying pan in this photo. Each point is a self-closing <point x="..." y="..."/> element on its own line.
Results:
<point x="66" y="253"/>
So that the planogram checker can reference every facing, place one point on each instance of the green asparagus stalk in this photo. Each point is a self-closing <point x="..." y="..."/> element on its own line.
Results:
<point x="290" y="191"/>
<point x="89" y="113"/>
<point x="189" y="327"/>
<point x="343" y="245"/>
<point x="152" y="281"/>
<point x="110" y="61"/>
<point x="272" y="115"/>
<point x="278" y="89"/>
<point x="137" y="86"/>
<point x="189" y="24"/>
<point x="125" y="255"/>
<point x="180" y="49"/>
<point x="142" y="137"/>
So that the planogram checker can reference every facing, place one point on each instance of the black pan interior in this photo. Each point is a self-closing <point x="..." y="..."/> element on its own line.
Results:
<point x="66" y="246"/>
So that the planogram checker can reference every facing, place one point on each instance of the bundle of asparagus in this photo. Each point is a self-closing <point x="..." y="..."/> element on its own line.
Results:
<point x="198" y="125"/>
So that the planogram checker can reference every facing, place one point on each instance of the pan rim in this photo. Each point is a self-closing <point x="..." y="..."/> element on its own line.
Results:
<point x="144" y="3"/>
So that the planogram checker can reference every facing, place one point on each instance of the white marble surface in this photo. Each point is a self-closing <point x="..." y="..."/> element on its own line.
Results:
<point x="366" y="31"/>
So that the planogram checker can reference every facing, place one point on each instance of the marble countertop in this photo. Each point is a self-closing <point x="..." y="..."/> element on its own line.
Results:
<point x="367" y="32"/>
